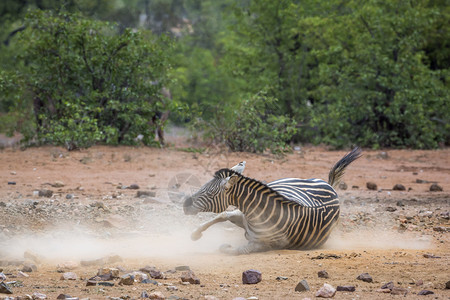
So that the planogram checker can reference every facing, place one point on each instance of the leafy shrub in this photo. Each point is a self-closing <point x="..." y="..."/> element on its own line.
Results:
<point x="89" y="84"/>
<point x="251" y="126"/>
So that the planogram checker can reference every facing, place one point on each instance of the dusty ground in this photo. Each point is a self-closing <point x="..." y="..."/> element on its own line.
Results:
<point x="94" y="214"/>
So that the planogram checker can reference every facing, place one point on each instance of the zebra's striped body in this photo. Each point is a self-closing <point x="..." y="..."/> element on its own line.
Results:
<point x="287" y="213"/>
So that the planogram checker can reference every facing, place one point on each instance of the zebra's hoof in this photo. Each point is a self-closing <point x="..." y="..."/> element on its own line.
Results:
<point x="196" y="235"/>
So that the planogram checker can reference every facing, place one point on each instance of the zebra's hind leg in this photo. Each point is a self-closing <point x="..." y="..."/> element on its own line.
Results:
<point x="236" y="217"/>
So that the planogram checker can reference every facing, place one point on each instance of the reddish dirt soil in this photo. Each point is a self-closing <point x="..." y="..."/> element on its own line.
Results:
<point x="398" y="236"/>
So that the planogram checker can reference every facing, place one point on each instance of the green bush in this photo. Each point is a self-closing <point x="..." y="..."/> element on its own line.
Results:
<point x="252" y="126"/>
<point x="89" y="84"/>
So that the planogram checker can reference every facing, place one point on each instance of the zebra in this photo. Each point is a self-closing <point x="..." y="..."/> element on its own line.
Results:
<point x="288" y="213"/>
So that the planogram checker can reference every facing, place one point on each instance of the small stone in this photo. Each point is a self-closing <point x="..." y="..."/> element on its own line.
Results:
<point x="58" y="184"/>
<point x="142" y="194"/>
<point x="150" y="281"/>
<point x="112" y="272"/>
<point x="182" y="268"/>
<point x="133" y="187"/>
<point x="22" y="274"/>
<point x="190" y="277"/>
<point x="69" y="196"/>
<point x="345" y="288"/>
<point x="91" y="283"/>
<point x="386" y="291"/>
<point x="343" y="186"/>
<point x="2" y="276"/>
<point x="280" y="278"/>
<point x="11" y="183"/>
<point x="391" y="209"/>
<point x="371" y="186"/>
<point x="425" y="292"/>
<point x="172" y="288"/>
<point x="436" y="188"/>
<point x="5" y="289"/>
<point x="323" y="274"/>
<point x="69" y="276"/>
<point x="399" y="291"/>
<point x="210" y="297"/>
<point x="428" y="255"/>
<point x="441" y="229"/>
<point x="45" y="193"/>
<point x="67" y="266"/>
<point x="419" y="282"/>
<point x="104" y="283"/>
<point x="63" y="296"/>
<point x="400" y="203"/>
<point x="239" y="298"/>
<point x="29" y="268"/>
<point x="144" y="295"/>
<point x="389" y="285"/>
<point x="38" y="296"/>
<point x="157" y="295"/>
<point x="365" y="277"/>
<point x="126" y="279"/>
<point x="447" y="285"/>
<point x="327" y="291"/>
<point x="302" y="286"/>
<point x="153" y="272"/>
<point x="399" y="187"/>
<point x="251" y="276"/>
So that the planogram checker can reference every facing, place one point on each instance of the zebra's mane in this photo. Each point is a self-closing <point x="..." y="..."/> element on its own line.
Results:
<point x="224" y="173"/>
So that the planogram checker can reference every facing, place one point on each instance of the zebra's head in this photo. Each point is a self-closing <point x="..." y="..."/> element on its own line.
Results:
<point x="213" y="196"/>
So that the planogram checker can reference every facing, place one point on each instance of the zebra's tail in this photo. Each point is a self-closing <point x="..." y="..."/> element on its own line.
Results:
<point x="336" y="173"/>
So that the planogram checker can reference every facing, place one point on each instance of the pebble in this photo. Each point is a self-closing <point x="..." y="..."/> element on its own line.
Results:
<point x="144" y="295"/>
<point x="371" y="186"/>
<point x="38" y="296"/>
<point x="143" y="194"/>
<point x="153" y="272"/>
<point x="365" y="277"/>
<point x="251" y="276"/>
<point x="399" y="187"/>
<point x="127" y="279"/>
<point x="156" y="295"/>
<point x="64" y="296"/>
<point x="391" y="209"/>
<point x="45" y="193"/>
<point x="133" y="186"/>
<point x="302" y="286"/>
<point x="69" y="276"/>
<point x="5" y="289"/>
<point x="400" y="203"/>
<point x="399" y="291"/>
<point x="389" y="285"/>
<point x="67" y="266"/>
<point x="425" y="292"/>
<point x="69" y="196"/>
<point x="210" y="297"/>
<point x="58" y="184"/>
<point x="323" y="274"/>
<point x="172" y="288"/>
<point x="29" y="268"/>
<point x="447" y="285"/>
<point x="345" y="288"/>
<point x="22" y="274"/>
<point x="436" y="188"/>
<point x="150" y="281"/>
<point x="11" y="183"/>
<point x="343" y="186"/>
<point x="327" y="291"/>
<point x="112" y="272"/>
<point x="280" y="278"/>
<point x="190" y="277"/>
<point x="2" y="276"/>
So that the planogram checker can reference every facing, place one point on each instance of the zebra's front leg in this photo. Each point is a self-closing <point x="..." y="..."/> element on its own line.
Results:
<point x="247" y="249"/>
<point x="236" y="217"/>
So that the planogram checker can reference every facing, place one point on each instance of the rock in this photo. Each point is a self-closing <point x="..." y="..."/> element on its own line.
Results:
<point x="323" y="274"/>
<point x="133" y="186"/>
<point x="327" y="291"/>
<point x="441" y="229"/>
<point x="69" y="276"/>
<point x="29" y="267"/>
<point x="251" y="276"/>
<point x="389" y="285"/>
<point x="428" y="255"/>
<point x="22" y="274"/>
<point x="2" y="276"/>
<point x="371" y="186"/>
<point x="70" y="196"/>
<point x="11" y="183"/>
<point x="365" y="277"/>
<point x="5" y="289"/>
<point x="343" y="186"/>
<point x="280" y="278"/>
<point x="345" y="288"/>
<point x="239" y="298"/>
<point x="400" y="203"/>
<point x="153" y="272"/>
<point x="190" y="277"/>
<point x="436" y="188"/>
<point x="172" y="288"/>
<point x="182" y="268"/>
<point x="63" y="296"/>
<point x="157" y="295"/>
<point x="91" y="283"/>
<point x="143" y="194"/>
<point x="57" y="184"/>
<point x="127" y="279"/>
<point x="139" y="276"/>
<point x="399" y="187"/>
<point x="210" y="297"/>
<point x="418" y="282"/>
<point x="45" y="193"/>
<point x="38" y="296"/>
<point x="399" y="291"/>
<point x="391" y="209"/>
<point x="447" y="285"/>
<point x="112" y="272"/>
<point x="67" y="266"/>
<point x="33" y="256"/>
<point x="425" y="292"/>
<point x="103" y="283"/>
<point x="386" y="291"/>
<point x="144" y="295"/>
<point x="326" y="256"/>
<point x="302" y="286"/>
<point x="150" y="281"/>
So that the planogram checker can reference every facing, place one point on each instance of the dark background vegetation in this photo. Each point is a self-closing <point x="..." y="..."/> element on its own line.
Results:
<point x="254" y="74"/>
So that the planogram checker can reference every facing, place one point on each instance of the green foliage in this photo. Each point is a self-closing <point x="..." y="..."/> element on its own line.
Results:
<point x="89" y="84"/>
<point x="252" y="126"/>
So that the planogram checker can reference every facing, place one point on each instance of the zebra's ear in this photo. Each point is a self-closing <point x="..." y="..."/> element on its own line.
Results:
<point x="230" y="181"/>
<point x="239" y="168"/>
